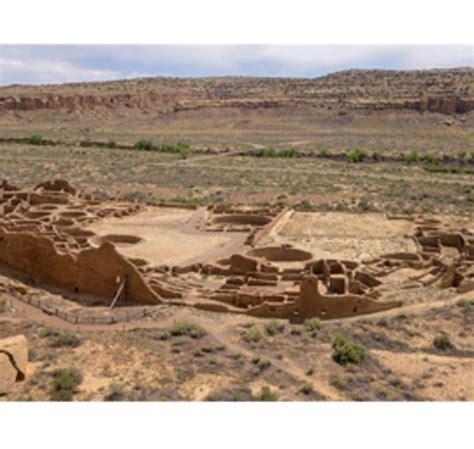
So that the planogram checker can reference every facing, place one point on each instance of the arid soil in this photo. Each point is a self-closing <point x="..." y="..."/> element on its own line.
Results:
<point x="417" y="129"/>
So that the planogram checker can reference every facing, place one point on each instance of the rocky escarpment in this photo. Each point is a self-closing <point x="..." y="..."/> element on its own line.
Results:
<point x="444" y="91"/>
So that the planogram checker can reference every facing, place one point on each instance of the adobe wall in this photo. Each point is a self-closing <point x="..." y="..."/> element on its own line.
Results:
<point x="94" y="271"/>
<point x="311" y="303"/>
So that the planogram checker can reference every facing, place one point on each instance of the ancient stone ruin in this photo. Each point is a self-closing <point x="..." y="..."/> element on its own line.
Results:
<point x="46" y="236"/>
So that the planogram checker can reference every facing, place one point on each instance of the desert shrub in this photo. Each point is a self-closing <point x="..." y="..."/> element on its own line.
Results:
<point x="442" y="342"/>
<point x="46" y="331"/>
<point x="462" y="155"/>
<point x="446" y="168"/>
<point x="412" y="157"/>
<point x="346" y="351"/>
<point x="167" y="148"/>
<point x="65" y="339"/>
<point x="252" y="335"/>
<point x="465" y="303"/>
<point x="324" y="153"/>
<point x="265" y="152"/>
<point x="289" y="152"/>
<point x="307" y="388"/>
<point x="266" y="394"/>
<point x="111" y="144"/>
<point x="182" y="148"/>
<point x="357" y="155"/>
<point x="376" y="156"/>
<point x="146" y="145"/>
<point x="36" y="139"/>
<point x="262" y="364"/>
<point x="64" y="384"/>
<point x="305" y="205"/>
<point x="184" y="152"/>
<point x="270" y="152"/>
<point x="312" y="324"/>
<point x="273" y="327"/>
<point x="366" y="205"/>
<point x="189" y="329"/>
<point x="3" y="305"/>
<point x="430" y="159"/>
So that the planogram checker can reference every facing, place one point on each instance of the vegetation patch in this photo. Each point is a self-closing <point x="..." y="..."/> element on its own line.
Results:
<point x="442" y="342"/>
<point x="64" y="384"/>
<point x="189" y="329"/>
<point x="181" y="148"/>
<point x="252" y="335"/>
<point x="59" y="339"/>
<point x="313" y="325"/>
<point x="357" y="155"/>
<point x="273" y="327"/>
<point x="36" y="139"/>
<point x="307" y="389"/>
<point x="146" y="145"/>
<point x="266" y="394"/>
<point x="346" y="351"/>
<point x="270" y="152"/>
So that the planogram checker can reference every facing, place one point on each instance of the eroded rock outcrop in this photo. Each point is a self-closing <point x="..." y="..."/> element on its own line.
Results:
<point x="13" y="362"/>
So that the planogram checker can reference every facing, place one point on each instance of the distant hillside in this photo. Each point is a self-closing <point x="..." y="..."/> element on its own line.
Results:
<point x="445" y="91"/>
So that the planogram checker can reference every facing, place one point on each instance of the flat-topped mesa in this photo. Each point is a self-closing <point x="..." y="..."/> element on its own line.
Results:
<point x="443" y="91"/>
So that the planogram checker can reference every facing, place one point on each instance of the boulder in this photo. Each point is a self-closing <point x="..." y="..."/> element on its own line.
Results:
<point x="13" y="361"/>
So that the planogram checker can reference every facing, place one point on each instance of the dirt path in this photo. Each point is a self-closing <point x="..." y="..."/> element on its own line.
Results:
<point x="28" y="312"/>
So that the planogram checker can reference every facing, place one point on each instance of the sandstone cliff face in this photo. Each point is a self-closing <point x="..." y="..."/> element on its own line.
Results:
<point x="445" y="91"/>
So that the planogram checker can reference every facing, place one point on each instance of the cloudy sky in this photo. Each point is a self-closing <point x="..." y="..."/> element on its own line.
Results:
<point x="39" y="64"/>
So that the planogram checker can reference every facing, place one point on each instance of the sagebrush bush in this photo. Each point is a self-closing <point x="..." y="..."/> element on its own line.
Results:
<point x="266" y="394"/>
<point x="112" y="144"/>
<point x="36" y="139"/>
<point x="3" y="305"/>
<point x="307" y="388"/>
<point x="189" y="329"/>
<point x="146" y="145"/>
<point x="64" y="384"/>
<point x="65" y="339"/>
<point x="357" y="155"/>
<point x="346" y="351"/>
<point x="252" y="335"/>
<point x="273" y="327"/>
<point x="312" y="324"/>
<point x="412" y="157"/>
<point x="442" y="342"/>
<point x="270" y="152"/>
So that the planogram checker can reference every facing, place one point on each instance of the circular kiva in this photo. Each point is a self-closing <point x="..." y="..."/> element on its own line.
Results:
<point x="280" y="254"/>
<point x="242" y="219"/>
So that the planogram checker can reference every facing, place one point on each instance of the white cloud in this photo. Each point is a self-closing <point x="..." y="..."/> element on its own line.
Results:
<point x="66" y="63"/>
<point x="17" y="71"/>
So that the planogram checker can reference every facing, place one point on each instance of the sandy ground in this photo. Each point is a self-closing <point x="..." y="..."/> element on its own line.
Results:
<point x="170" y="236"/>
<point x="345" y="235"/>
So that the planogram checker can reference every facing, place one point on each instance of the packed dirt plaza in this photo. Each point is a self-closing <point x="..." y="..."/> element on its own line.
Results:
<point x="239" y="239"/>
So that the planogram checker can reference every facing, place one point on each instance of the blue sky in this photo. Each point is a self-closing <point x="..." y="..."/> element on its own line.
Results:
<point x="39" y="64"/>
